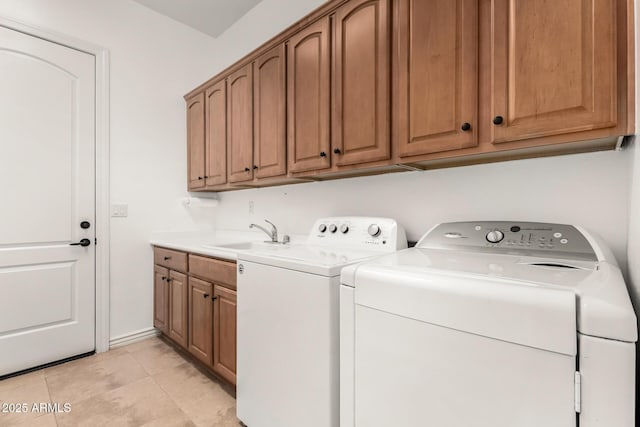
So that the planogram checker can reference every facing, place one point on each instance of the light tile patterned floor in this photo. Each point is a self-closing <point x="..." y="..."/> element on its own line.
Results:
<point x="143" y="384"/>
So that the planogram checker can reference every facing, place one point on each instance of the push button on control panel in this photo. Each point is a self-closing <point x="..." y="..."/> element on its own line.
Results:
<point x="495" y="236"/>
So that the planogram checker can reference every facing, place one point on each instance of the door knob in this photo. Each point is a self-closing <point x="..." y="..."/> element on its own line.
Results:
<point x="336" y="151"/>
<point x="323" y="154"/>
<point x="465" y="126"/>
<point x="83" y="242"/>
<point x="497" y="120"/>
<point x="85" y="224"/>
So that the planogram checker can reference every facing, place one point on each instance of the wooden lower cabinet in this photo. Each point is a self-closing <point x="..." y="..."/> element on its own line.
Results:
<point x="224" y="332"/>
<point x="200" y="319"/>
<point x="196" y="308"/>
<point x="178" y="298"/>
<point x="161" y="298"/>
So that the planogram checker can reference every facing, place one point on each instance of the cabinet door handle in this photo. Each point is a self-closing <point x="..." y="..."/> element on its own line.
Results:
<point x="200" y="178"/>
<point x="206" y="296"/>
<point x="164" y="278"/>
<point x="255" y="166"/>
<point x="323" y="154"/>
<point x="466" y="126"/>
<point x="247" y="169"/>
<point x="497" y="120"/>
<point x="336" y="151"/>
<point x="167" y="258"/>
<point x="205" y="177"/>
<point x="214" y="298"/>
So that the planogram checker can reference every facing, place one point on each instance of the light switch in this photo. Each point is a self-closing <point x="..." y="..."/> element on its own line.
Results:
<point x="119" y="210"/>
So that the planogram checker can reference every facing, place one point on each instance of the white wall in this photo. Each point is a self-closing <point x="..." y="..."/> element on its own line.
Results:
<point x="154" y="62"/>
<point x="586" y="189"/>
<point x="633" y="249"/>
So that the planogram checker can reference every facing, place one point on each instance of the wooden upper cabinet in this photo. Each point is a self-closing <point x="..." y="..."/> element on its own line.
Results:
<point x="240" y="125"/>
<point x="553" y="67"/>
<point x="308" y="108"/>
<point x="361" y="84"/>
<point x="216" y="134"/>
<point x="269" y="114"/>
<point x="437" y="77"/>
<point x="195" y="141"/>
<point x="201" y="319"/>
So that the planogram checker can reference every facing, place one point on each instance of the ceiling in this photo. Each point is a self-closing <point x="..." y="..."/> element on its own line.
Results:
<point x="211" y="17"/>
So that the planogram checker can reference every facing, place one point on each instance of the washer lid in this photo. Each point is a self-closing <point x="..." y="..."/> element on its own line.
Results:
<point x="526" y="300"/>
<point x="321" y="260"/>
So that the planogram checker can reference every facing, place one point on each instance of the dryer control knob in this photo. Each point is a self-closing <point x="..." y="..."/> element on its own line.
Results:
<point x="322" y="228"/>
<point x="333" y="228"/>
<point x="374" y="230"/>
<point x="495" y="236"/>
<point x="344" y="228"/>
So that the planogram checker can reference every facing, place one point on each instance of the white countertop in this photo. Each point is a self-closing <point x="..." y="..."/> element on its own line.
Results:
<point x="208" y="242"/>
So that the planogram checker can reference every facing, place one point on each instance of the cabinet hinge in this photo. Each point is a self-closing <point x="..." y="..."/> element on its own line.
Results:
<point x="577" y="380"/>
<point x="95" y="241"/>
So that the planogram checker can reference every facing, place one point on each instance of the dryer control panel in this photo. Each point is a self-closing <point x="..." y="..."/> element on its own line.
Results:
<point x="524" y="238"/>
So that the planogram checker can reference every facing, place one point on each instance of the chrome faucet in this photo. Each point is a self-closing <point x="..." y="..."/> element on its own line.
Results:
<point x="273" y="233"/>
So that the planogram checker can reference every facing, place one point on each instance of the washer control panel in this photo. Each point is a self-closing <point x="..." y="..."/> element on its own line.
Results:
<point x="525" y="238"/>
<point x="358" y="232"/>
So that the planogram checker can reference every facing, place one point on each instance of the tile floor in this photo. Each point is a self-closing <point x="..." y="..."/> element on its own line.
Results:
<point x="146" y="383"/>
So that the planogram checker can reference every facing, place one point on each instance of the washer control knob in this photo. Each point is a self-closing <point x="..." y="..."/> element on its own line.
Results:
<point x="322" y="228"/>
<point x="344" y="228"/>
<point x="495" y="236"/>
<point x="374" y="230"/>
<point x="333" y="228"/>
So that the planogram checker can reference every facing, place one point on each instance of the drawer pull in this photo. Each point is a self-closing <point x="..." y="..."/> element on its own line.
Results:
<point x="167" y="258"/>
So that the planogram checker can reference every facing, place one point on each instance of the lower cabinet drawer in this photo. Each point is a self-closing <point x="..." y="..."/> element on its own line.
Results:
<point x="174" y="260"/>
<point x="214" y="270"/>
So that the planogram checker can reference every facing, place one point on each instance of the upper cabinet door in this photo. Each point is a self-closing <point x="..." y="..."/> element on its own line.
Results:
<point x="437" y="76"/>
<point x="553" y="67"/>
<point x="195" y="140"/>
<point x="240" y="125"/>
<point x="360" y="113"/>
<point x="216" y="134"/>
<point x="269" y="117"/>
<point x="308" y="79"/>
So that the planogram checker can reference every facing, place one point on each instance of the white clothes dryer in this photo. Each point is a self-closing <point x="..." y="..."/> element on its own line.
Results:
<point x="489" y="324"/>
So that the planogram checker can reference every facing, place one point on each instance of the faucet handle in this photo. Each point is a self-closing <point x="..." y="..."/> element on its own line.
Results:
<point x="286" y="239"/>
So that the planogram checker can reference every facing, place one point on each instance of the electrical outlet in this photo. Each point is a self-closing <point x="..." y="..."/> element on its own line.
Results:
<point x="121" y="210"/>
<point x="251" y="207"/>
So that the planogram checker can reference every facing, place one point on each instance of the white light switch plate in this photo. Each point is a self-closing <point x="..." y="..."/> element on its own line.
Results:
<point x="119" y="210"/>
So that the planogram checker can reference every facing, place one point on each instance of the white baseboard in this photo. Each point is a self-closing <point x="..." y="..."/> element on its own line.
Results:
<point x="133" y="337"/>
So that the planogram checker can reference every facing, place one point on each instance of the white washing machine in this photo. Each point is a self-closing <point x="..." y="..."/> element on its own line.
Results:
<point x="288" y="324"/>
<point x="489" y="324"/>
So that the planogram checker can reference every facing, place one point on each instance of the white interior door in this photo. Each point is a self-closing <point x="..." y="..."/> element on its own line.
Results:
<point x="47" y="189"/>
